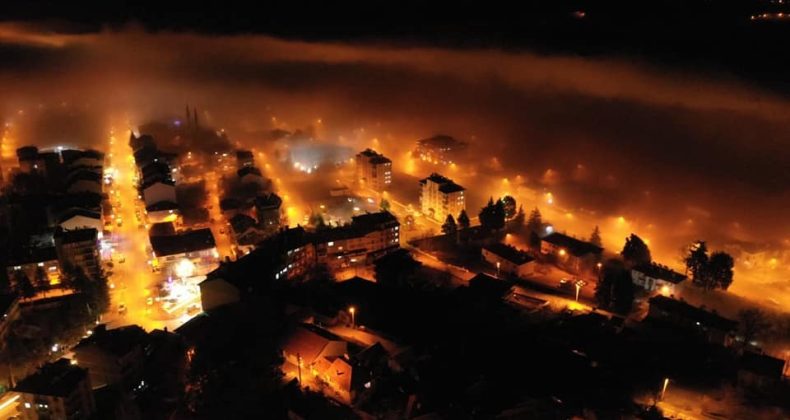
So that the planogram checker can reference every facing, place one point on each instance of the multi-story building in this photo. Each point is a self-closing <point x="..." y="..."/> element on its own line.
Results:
<point x="374" y="170"/>
<point x="113" y="357"/>
<point x="195" y="250"/>
<point x="59" y="390"/>
<point x="39" y="264"/>
<point x="9" y="313"/>
<point x="440" y="196"/>
<point x="267" y="210"/>
<point x="508" y="259"/>
<point x="368" y="237"/>
<point x="79" y="248"/>
<point x="441" y="149"/>
<point x="655" y="277"/>
<point x="244" y="158"/>
<point x="287" y="255"/>
<point x="572" y="254"/>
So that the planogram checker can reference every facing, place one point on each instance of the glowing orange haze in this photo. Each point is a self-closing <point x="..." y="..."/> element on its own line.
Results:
<point x="679" y="157"/>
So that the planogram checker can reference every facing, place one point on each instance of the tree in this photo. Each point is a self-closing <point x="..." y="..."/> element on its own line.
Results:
<point x="697" y="263"/>
<point x="396" y="269"/>
<point x="509" y="204"/>
<point x="635" y="251"/>
<point x="595" y="237"/>
<point x="615" y="289"/>
<point x="317" y="220"/>
<point x="492" y="216"/>
<point x="535" y="221"/>
<point x="23" y="286"/>
<point x="449" y="227"/>
<point x="519" y="218"/>
<point x="384" y="204"/>
<point x="751" y="324"/>
<point x="41" y="280"/>
<point x="720" y="272"/>
<point x="463" y="220"/>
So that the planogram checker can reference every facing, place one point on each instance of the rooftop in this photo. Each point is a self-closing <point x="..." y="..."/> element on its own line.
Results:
<point x="248" y="170"/>
<point x="510" y="253"/>
<point x="374" y="157"/>
<point x="360" y="225"/>
<point x="243" y="155"/>
<point x="6" y="301"/>
<point x="118" y="341"/>
<point x="161" y="206"/>
<point x="57" y="379"/>
<point x="191" y="241"/>
<point x="270" y="200"/>
<point x="575" y="247"/>
<point x="662" y="272"/>
<point x="446" y="185"/>
<point x="162" y="229"/>
<point x="241" y="222"/>
<point x="693" y="313"/>
<point x="308" y="341"/>
<point x="441" y="141"/>
<point x="70" y="155"/>
<point x="30" y="255"/>
<point x="68" y="214"/>
<point x="76" y="235"/>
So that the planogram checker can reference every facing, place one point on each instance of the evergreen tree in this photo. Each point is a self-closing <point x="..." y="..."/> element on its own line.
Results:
<point x="535" y="221"/>
<point x="720" y="270"/>
<point x="449" y="227"/>
<point x="595" y="237"/>
<point x="384" y="204"/>
<point x="635" y="251"/>
<point x="519" y="218"/>
<point x="463" y="220"/>
<point x="697" y="263"/>
<point x="509" y="204"/>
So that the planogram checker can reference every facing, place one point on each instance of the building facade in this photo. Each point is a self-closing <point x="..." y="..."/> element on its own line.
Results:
<point x="656" y="278"/>
<point x="440" y="196"/>
<point x="57" y="390"/>
<point x="79" y="248"/>
<point x="369" y="236"/>
<point x="508" y="259"/>
<point x="374" y="170"/>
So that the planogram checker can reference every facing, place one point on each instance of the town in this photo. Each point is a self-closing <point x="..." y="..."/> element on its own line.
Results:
<point x="394" y="210"/>
<point x="142" y="277"/>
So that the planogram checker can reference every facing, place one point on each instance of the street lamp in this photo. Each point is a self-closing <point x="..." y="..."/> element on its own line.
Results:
<point x="578" y="287"/>
<point x="497" y="268"/>
<point x="352" y="310"/>
<point x="664" y="388"/>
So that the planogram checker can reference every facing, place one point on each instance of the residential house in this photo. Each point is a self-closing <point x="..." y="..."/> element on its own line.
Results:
<point x="39" y="264"/>
<point x="159" y="191"/>
<point x="508" y="259"/>
<point x="113" y="357"/>
<point x="267" y="211"/>
<point x="9" y="313"/>
<point x="711" y="326"/>
<point x="656" y="278"/>
<point x="163" y="211"/>
<point x="58" y="390"/>
<point x="244" y="158"/>
<point x="196" y="246"/>
<point x="572" y="254"/>
<point x="368" y="237"/>
<point x="79" y="248"/>
<point x="80" y="218"/>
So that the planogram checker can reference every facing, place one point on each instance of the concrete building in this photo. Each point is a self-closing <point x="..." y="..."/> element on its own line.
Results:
<point x="57" y="390"/>
<point x="287" y="255"/>
<point x="113" y="357"/>
<point x="373" y="170"/>
<point x="440" y="149"/>
<point x="79" y="248"/>
<point x="267" y="211"/>
<point x="440" y="196"/>
<point x="163" y="211"/>
<point x="508" y="259"/>
<point x="39" y="264"/>
<point x="251" y="175"/>
<point x="244" y="158"/>
<point x="709" y="325"/>
<point x="760" y="370"/>
<point x="572" y="254"/>
<point x="78" y="218"/>
<point x="73" y="158"/>
<point x="159" y="191"/>
<point x="84" y="181"/>
<point x="195" y="248"/>
<point x="656" y="278"/>
<point x="368" y="237"/>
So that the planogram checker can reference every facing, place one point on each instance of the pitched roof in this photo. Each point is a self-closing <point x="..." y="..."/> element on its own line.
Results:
<point x="241" y="222"/>
<point x="248" y="170"/>
<point x="308" y="341"/>
<point x="662" y="272"/>
<point x="510" y="253"/>
<point x="575" y="247"/>
<point x="268" y="201"/>
<point x="68" y="214"/>
<point x="191" y="241"/>
<point x="441" y="141"/>
<point x="57" y="379"/>
<point x="692" y="313"/>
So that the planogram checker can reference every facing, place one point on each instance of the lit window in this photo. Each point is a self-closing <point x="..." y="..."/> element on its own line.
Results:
<point x="331" y="244"/>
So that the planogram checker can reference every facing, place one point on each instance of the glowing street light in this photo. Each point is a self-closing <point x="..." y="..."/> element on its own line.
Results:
<point x="497" y="268"/>
<point x="352" y="310"/>
<point x="664" y="388"/>
<point x="578" y="288"/>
